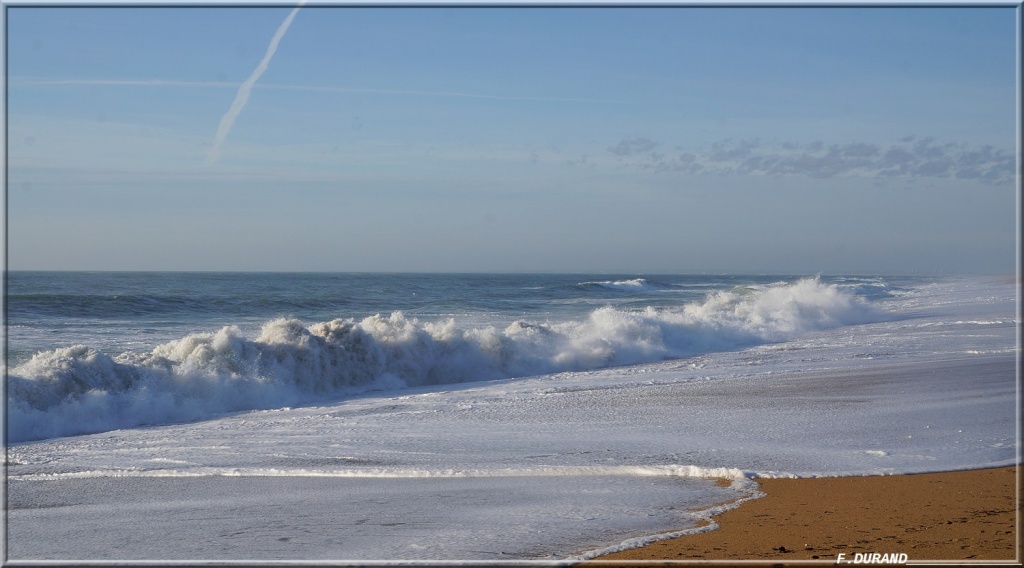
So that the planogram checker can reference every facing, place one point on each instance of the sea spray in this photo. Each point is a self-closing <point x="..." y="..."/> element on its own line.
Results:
<point x="77" y="389"/>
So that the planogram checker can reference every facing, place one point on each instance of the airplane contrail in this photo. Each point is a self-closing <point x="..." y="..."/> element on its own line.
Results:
<point x="243" y="91"/>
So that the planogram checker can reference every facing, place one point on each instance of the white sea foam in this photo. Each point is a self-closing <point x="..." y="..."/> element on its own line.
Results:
<point x="77" y="389"/>
<point x="691" y="471"/>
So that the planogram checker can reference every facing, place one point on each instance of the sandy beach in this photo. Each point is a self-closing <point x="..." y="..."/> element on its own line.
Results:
<point x="964" y="515"/>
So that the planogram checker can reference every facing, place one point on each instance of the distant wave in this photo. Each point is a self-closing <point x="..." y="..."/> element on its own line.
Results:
<point x="633" y="285"/>
<point x="25" y="306"/>
<point x="77" y="390"/>
<point x="89" y="305"/>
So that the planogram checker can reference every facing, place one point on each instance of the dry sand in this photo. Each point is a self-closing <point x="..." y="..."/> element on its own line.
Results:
<point x="965" y="515"/>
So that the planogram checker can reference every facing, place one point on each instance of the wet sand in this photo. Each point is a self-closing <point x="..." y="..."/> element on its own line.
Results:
<point x="965" y="515"/>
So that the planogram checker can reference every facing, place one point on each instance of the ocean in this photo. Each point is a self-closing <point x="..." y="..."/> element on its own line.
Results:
<point x="464" y="417"/>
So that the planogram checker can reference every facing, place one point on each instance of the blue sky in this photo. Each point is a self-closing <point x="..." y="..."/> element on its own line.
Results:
<point x="675" y="139"/>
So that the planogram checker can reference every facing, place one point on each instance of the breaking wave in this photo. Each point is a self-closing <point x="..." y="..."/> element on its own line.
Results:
<point x="78" y="390"/>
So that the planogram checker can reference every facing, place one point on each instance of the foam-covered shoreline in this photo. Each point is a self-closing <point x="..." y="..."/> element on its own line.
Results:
<point x="251" y="479"/>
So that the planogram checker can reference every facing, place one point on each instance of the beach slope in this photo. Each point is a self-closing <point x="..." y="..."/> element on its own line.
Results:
<point x="963" y="515"/>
